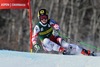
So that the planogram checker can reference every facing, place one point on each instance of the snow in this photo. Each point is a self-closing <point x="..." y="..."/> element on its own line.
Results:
<point x="26" y="59"/>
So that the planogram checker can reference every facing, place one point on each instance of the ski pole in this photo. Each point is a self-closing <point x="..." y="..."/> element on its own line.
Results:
<point x="82" y="43"/>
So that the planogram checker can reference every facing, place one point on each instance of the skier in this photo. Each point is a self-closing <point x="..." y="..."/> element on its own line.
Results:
<point x="51" y="42"/>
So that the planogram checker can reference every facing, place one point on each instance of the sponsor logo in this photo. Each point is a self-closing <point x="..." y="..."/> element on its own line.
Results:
<point x="46" y="32"/>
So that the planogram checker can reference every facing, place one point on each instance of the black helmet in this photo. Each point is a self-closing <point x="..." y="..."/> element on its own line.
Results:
<point x="42" y="12"/>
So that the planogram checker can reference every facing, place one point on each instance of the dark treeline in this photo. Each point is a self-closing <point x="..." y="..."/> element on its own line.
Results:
<point x="78" y="19"/>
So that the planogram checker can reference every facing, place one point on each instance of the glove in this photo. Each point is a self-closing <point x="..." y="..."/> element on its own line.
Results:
<point x="36" y="47"/>
<point x="56" y="32"/>
<point x="56" y="27"/>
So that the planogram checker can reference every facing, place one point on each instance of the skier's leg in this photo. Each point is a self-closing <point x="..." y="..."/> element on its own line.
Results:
<point x="79" y="50"/>
<point x="50" y="45"/>
<point x="71" y="48"/>
<point x="65" y="45"/>
<point x="75" y="49"/>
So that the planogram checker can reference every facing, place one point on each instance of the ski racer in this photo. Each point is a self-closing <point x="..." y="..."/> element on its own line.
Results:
<point x="51" y="42"/>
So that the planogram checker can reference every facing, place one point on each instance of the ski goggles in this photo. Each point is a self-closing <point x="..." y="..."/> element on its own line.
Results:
<point x="43" y="17"/>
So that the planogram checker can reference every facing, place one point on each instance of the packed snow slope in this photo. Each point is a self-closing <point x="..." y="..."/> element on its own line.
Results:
<point x="25" y="59"/>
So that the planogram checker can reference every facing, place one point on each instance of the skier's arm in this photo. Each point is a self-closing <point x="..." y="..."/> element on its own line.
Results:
<point x="34" y="37"/>
<point x="35" y="34"/>
<point x="56" y="27"/>
<point x="54" y="24"/>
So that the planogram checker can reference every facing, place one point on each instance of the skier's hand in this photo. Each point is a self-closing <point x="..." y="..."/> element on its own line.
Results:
<point x="56" y="27"/>
<point x="56" y="33"/>
<point x="36" y="47"/>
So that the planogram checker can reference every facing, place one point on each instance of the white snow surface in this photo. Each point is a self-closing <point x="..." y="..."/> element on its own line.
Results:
<point x="26" y="59"/>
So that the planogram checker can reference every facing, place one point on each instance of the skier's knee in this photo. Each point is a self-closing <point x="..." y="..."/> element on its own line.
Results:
<point x="46" y="41"/>
<point x="64" y="44"/>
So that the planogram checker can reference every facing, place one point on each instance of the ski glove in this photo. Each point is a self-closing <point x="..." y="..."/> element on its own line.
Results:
<point x="56" y="33"/>
<point x="36" y="47"/>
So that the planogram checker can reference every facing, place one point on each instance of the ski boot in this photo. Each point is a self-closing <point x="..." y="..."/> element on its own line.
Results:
<point x="85" y="52"/>
<point x="88" y="52"/>
<point x="63" y="51"/>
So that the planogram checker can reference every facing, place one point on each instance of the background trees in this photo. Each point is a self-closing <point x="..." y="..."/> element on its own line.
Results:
<point x="78" y="19"/>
